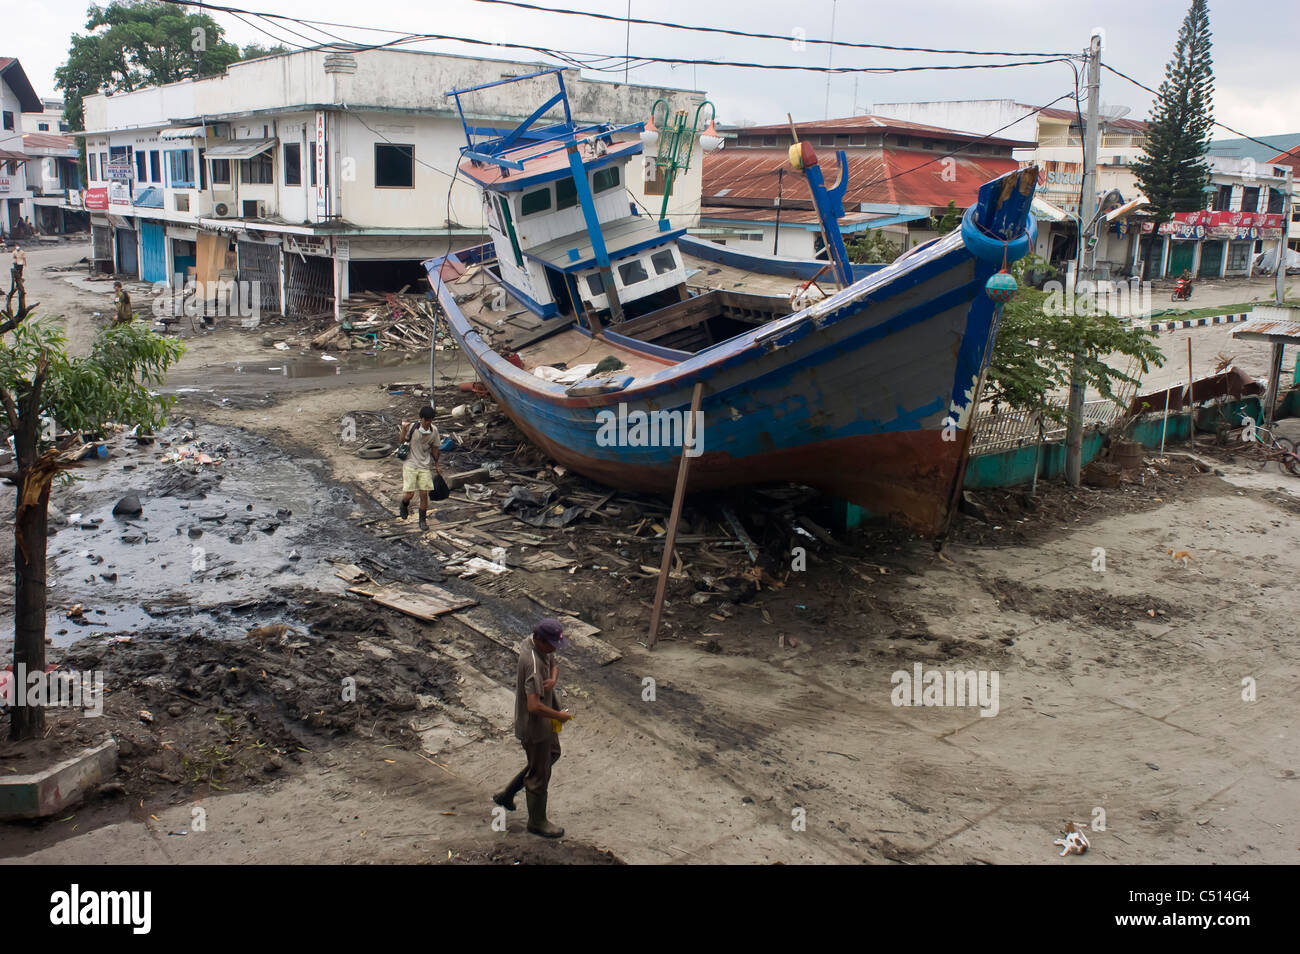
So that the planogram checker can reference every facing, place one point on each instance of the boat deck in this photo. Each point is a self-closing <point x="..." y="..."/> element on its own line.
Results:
<point x="556" y="341"/>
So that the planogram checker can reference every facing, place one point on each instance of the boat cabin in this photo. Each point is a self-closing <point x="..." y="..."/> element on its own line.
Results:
<point x="569" y="240"/>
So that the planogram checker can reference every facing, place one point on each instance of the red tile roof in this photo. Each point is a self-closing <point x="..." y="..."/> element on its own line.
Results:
<point x="788" y="215"/>
<point x="869" y="123"/>
<point x="889" y="176"/>
<point x="1051" y="112"/>
<point x="40" y="140"/>
<point x="1291" y="159"/>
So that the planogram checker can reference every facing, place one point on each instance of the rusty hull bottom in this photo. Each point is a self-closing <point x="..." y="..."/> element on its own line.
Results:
<point x="907" y="476"/>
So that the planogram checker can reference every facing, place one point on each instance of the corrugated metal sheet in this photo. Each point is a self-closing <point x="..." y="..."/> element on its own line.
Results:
<point x="885" y="176"/>
<point x="872" y="124"/>
<point x="1275" y="328"/>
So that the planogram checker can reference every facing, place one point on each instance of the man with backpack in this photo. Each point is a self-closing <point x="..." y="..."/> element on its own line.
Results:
<point x="421" y="461"/>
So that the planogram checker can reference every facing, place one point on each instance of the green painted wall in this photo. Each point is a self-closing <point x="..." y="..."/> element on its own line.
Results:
<point x="1014" y="467"/>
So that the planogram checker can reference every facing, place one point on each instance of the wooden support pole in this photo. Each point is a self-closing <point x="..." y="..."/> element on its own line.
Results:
<point x="1191" y="405"/>
<point x="690" y="441"/>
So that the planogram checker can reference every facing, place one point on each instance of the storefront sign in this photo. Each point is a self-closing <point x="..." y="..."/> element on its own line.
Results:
<point x="319" y="159"/>
<point x="97" y="199"/>
<point x="119" y="194"/>
<point x="4" y="184"/>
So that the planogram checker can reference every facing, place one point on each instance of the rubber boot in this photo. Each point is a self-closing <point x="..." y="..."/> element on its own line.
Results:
<point x="537" y="823"/>
<point x="424" y="523"/>
<point x="506" y="797"/>
<point x="404" y="510"/>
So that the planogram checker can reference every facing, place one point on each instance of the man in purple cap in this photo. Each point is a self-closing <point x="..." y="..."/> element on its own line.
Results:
<point x="536" y="724"/>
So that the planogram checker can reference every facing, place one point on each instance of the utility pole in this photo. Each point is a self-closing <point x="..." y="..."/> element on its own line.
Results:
<point x="1286" y="230"/>
<point x="776" y="235"/>
<point x="1087" y="213"/>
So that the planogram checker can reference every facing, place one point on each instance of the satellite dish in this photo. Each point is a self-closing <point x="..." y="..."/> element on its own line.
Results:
<point x="1109" y="113"/>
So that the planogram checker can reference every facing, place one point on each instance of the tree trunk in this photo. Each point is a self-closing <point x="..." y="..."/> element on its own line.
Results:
<point x="30" y="528"/>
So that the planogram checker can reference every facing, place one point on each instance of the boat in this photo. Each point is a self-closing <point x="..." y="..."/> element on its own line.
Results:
<point x="592" y="322"/>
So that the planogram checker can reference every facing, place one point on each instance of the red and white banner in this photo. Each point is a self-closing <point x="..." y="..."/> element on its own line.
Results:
<point x="97" y="199"/>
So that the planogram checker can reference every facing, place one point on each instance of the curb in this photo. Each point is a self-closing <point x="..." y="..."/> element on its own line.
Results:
<point x="1157" y="326"/>
<point x="53" y="789"/>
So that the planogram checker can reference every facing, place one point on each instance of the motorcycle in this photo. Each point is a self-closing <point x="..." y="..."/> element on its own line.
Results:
<point x="1182" y="290"/>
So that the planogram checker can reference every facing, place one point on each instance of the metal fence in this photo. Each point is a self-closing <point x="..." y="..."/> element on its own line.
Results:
<point x="996" y="431"/>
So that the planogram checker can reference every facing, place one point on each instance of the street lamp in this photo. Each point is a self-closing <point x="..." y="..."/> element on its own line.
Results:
<point x="670" y="134"/>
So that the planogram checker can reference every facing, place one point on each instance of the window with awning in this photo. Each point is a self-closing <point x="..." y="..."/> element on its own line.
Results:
<point x="240" y="149"/>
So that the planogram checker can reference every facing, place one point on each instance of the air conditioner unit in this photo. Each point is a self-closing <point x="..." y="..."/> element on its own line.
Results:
<point x="223" y="210"/>
<point x="261" y="210"/>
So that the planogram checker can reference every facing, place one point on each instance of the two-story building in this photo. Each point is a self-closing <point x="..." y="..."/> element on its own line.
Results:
<point x="313" y="173"/>
<point x="16" y="98"/>
<point x="1243" y="216"/>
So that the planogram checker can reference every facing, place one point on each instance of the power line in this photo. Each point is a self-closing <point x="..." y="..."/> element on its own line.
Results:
<point x="641" y="60"/>
<point x="1295" y="153"/>
<point x="695" y="28"/>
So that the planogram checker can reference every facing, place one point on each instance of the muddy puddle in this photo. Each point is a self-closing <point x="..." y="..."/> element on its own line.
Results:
<point x="214" y="532"/>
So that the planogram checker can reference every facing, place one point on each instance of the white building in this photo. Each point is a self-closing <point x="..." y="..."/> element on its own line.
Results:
<point x="16" y="98"/>
<point x="1242" y="216"/>
<point x="314" y="173"/>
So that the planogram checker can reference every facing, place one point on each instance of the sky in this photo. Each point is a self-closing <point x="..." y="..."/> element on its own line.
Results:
<point x="1257" y="89"/>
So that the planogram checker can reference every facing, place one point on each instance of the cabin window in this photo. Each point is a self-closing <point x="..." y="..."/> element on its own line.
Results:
<point x="140" y="160"/>
<point x="394" y="166"/>
<point x="595" y="285"/>
<point x="539" y="200"/>
<point x="94" y="171"/>
<point x="633" y="272"/>
<point x="566" y="194"/>
<point x="604" y="179"/>
<point x="663" y="261"/>
<point x="155" y="166"/>
<point x="221" y="172"/>
<point x="504" y="205"/>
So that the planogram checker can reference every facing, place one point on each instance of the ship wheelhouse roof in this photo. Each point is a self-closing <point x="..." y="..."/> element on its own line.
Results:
<point x="543" y="162"/>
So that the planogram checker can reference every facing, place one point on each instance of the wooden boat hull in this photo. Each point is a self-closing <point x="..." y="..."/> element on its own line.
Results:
<point x="866" y="395"/>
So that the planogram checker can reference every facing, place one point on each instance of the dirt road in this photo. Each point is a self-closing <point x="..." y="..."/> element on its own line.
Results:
<point x="1150" y="699"/>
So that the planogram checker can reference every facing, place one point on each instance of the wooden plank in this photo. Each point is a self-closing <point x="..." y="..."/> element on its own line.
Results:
<point x="673" y="318"/>
<point x="678" y="494"/>
<point x="482" y="622"/>
<point x="580" y="635"/>
<point x="425" y="601"/>
<point x="583" y="636"/>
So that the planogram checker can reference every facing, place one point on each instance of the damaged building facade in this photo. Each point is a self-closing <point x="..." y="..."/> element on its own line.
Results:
<point x="315" y="174"/>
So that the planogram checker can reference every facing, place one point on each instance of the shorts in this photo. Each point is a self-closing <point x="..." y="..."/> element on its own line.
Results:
<point x="416" y="478"/>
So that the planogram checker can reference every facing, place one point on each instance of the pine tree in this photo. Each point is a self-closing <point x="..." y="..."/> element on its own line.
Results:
<point x="1173" y="171"/>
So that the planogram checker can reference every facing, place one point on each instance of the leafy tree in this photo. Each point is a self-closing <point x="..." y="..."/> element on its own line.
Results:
<point x="40" y="382"/>
<point x="871" y="248"/>
<point x="1036" y="345"/>
<point x="950" y="219"/>
<point x="1172" y="171"/>
<point x="135" y="43"/>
